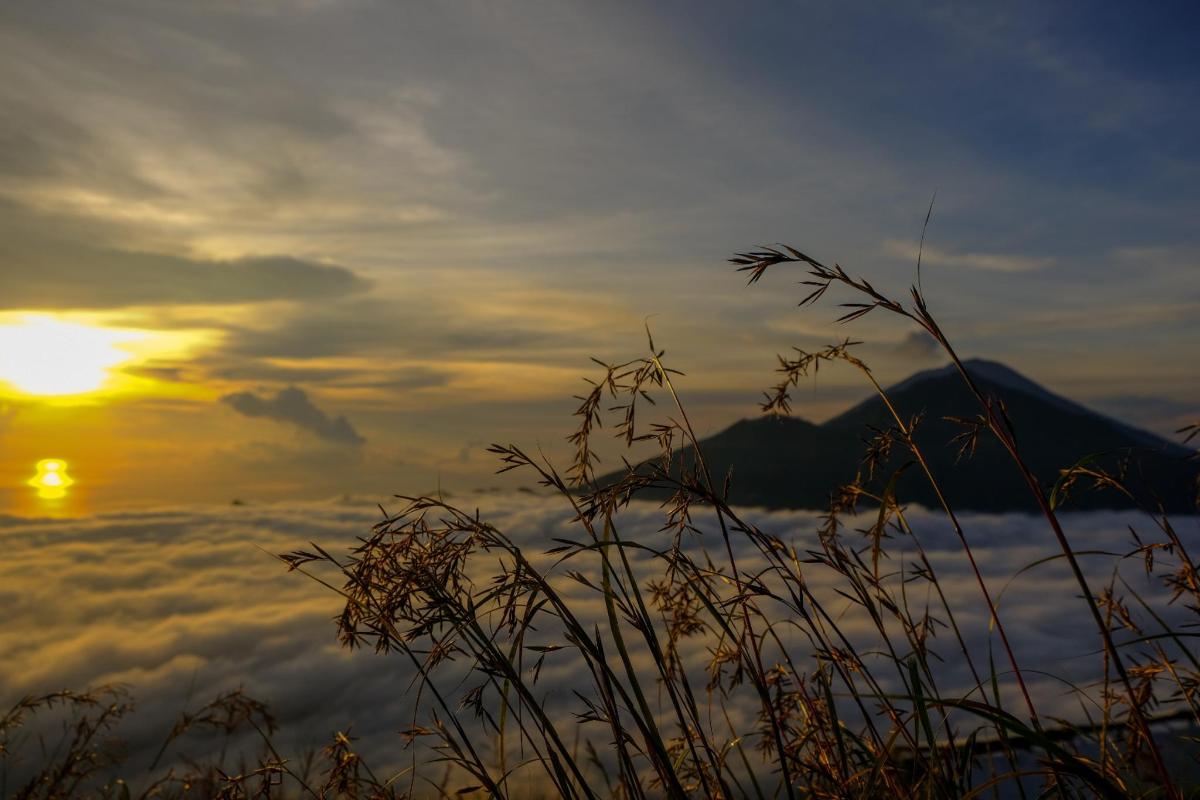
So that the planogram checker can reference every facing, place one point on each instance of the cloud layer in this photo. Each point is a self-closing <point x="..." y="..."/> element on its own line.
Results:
<point x="181" y="604"/>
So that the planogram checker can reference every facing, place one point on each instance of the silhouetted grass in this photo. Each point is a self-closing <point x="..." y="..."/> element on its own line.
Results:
<point x="704" y="661"/>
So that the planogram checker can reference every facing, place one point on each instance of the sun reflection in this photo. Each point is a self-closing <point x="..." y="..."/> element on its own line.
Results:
<point x="51" y="480"/>
<point x="45" y="356"/>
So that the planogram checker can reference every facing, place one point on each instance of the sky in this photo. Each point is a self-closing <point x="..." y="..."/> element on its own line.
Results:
<point x="304" y="248"/>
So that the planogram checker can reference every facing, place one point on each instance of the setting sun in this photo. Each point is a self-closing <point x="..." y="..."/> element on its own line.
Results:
<point x="51" y="480"/>
<point x="40" y="355"/>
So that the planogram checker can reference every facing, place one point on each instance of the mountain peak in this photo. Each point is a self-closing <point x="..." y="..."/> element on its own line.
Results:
<point x="1007" y="378"/>
<point x="791" y="463"/>
<point x="990" y="371"/>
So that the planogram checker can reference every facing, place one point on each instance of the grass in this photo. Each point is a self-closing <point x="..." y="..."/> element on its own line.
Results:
<point x="705" y="662"/>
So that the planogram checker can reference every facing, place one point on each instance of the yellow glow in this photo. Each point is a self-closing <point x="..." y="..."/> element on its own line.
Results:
<point x="51" y="479"/>
<point x="41" y="355"/>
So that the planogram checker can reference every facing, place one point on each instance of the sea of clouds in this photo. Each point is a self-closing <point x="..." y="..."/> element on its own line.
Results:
<point x="182" y="604"/>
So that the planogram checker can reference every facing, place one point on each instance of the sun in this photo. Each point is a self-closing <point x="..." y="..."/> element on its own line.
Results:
<point x="51" y="480"/>
<point x="44" y="356"/>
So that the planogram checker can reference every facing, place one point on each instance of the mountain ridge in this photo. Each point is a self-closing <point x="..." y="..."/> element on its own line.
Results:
<point x="1003" y="375"/>
<point x="790" y="462"/>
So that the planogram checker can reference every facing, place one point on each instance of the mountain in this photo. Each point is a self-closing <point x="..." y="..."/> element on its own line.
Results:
<point x="786" y="462"/>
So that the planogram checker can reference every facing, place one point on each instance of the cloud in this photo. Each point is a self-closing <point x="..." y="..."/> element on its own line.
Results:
<point x="464" y="454"/>
<point x="1162" y="414"/>
<point x="917" y="345"/>
<point x="364" y="376"/>
<point x="404" y="379"/>
<point x="358" y="326"/>
<point x="158" y="372"/>
<point x="499" y="319"/>
<point x="182" y="603"/>
<point x="261" y="371"/>
<point x="293" y="406"/>
<point x="988" y="262"/>
<point x="8" y="412"/>
<point x="44" y="273"/>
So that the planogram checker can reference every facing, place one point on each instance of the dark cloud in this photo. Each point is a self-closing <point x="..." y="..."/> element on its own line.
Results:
<point x="406" y="378"/>
<point x="369" y="325"/>
<point x="917" y="345"/>
<point x="261" y="371"/>
<point x="326" y="330"/>
<point x="292" y="405"/>
<point x="40" y="272"/>
<point x="265" y="372"/>
<point x="157" y="372"/>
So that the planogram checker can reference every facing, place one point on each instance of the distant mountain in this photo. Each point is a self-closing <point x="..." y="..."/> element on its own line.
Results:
<point x="786" y="462"/>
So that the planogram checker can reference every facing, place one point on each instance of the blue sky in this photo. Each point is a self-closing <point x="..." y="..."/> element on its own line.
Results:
<point x="467" y="200"/>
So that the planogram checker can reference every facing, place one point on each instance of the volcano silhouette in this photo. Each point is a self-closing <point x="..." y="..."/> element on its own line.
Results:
<point x="787" y="462"/>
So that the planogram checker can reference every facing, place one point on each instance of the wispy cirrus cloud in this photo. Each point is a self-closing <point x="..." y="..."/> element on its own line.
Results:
<point x="971" y="260"/>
